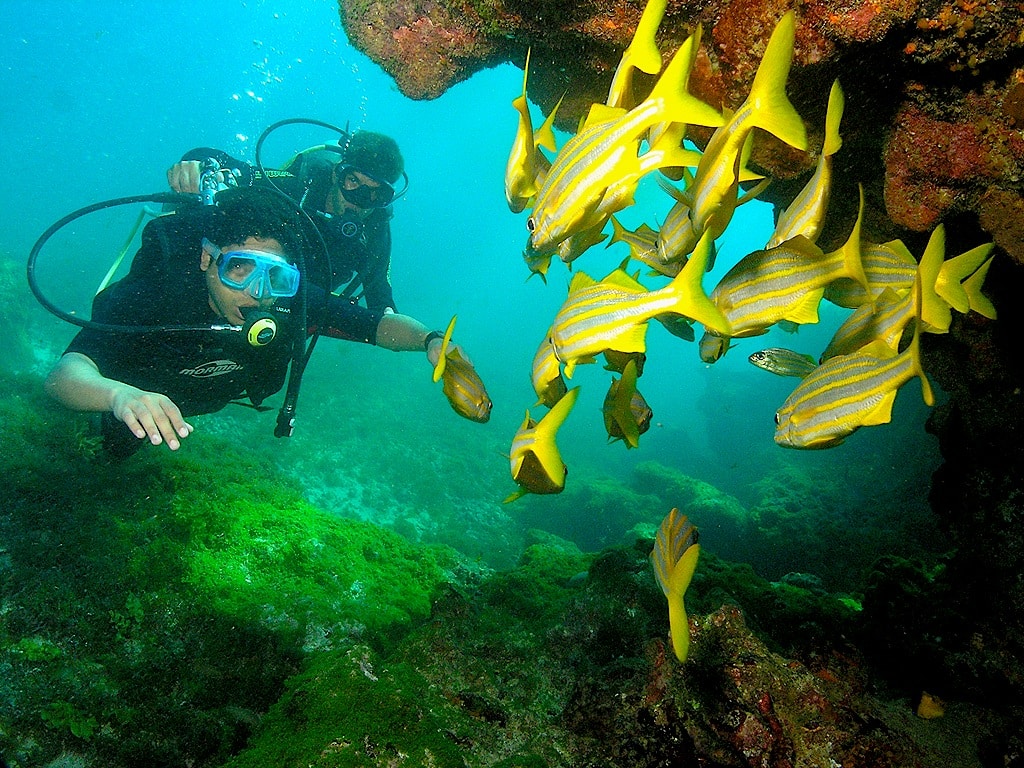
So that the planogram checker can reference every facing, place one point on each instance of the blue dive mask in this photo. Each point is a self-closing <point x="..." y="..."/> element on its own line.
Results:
<point x="264" y="275"/>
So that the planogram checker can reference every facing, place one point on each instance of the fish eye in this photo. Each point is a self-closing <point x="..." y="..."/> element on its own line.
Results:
<point x="778" y="420"/>
<point x="531" y="224"/>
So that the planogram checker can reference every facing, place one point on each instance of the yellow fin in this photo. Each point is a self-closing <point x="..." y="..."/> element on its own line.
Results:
<point x="934" y="310"/>
<point x="443" y="357"/>
<point x="806" y="311"/>
<point x="833" y="116"/>
<point x="954" y="271"/>
<point x="978" y="301"/>
<point x="775" y="113"/>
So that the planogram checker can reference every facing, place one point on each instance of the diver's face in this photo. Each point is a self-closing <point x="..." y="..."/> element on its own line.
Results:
<point x="229" y="302"/>
<point x="355" y="191"/>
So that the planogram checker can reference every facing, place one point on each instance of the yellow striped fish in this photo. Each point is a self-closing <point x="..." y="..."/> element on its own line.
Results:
<point x="577" y="244"/>
<point x="766" y="107"/>
<point x="613" y="313"/>
<point x="783" y="362"/>
<point x="465" y="389"/>
<point x="461" y="383"/>
<point x="527" y="165"/>
<point x="848" y="392"/>
<point x="626" y="413"/>
<point x="642" y="54"/>
<point x="546" y="375"/>
<point x="883" y="320"/>
<point x="536" y="464"/>
<point x="596" y="172"/>
<point x="674" y="558"/>
<point x="785" y="282"/>
<point x="806" y="213"/>
<point x="643" y="247"/>
<point x="886" y="265"/>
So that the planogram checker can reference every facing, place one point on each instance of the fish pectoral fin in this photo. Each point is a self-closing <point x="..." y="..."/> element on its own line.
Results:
<point x="806" y="311"/>
<point x="518" y="493"/>
<point x="881" y="413"/>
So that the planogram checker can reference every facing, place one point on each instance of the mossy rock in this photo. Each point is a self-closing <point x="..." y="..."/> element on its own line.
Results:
<point x="344" y="710"/>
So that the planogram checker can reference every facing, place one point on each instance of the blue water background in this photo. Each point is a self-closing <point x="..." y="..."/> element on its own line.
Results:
<point x="100" y="98"/>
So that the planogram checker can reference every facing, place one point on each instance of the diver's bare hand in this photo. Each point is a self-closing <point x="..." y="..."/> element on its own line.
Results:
<point x="150" y="414"/>
<point x="434" y="352"/>
<point x="184" y="176"/>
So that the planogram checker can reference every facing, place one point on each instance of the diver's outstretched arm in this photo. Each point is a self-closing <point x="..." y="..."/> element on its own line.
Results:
<point x="77" y="383"/>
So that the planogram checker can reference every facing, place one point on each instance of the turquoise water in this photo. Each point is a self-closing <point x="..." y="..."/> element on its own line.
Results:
<point x="99" y="102"/>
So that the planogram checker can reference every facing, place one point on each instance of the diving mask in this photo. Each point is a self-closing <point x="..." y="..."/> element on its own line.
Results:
<point x="360" y="194"/>
<point x="262" y="274"/>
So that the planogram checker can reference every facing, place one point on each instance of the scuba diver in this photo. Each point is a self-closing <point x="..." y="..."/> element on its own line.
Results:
<point x="210" y="269"/>
<point x="347" y="188"/>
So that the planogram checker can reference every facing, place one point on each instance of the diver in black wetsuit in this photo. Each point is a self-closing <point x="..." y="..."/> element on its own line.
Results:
<point x="205" y="265"/>
<point x="347" y="188"/>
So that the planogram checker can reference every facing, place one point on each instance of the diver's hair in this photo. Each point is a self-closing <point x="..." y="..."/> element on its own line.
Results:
<point x="256" y="212"/>
<point x="374" y="154"/>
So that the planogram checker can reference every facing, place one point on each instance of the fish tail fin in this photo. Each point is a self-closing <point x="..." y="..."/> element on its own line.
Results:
<point x="976" y="300"/>
<point x="934" y="311"/>
<point x="643" y="49"/>
<point x="674" y="558"/>
<point x="915" y="344"/>
<point x="442" y="359"/>
<point x="672" y="86"/>
<point x="618" y="232"/>
<point x="773" y="110"/>
<point x="526" y="70"/>
<point x="545" y="135"/>
<point x="553" y="419"/>
<point x="833" y="116"/>
<point x="691" y="299"/>
<point x="955" y="270"/>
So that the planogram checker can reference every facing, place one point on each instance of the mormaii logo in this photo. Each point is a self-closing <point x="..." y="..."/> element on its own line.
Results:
<point x="212" y="368"/>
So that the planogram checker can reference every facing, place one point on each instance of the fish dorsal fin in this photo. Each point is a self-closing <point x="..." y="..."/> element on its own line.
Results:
<point x="599" y="113"/>
<point x="580" y="281"/>
<point x="545" y="135"/>
<point x="621" y="279"/>
<point x="850" y="251"/>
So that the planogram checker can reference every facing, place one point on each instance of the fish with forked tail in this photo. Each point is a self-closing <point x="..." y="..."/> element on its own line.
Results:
<point x="674" y="558"/>
<point x="535" y="462"/>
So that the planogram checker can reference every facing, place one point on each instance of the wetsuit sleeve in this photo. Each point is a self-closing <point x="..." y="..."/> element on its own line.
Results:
<point x="340" y="318"/>
<point x="377" y="289"/>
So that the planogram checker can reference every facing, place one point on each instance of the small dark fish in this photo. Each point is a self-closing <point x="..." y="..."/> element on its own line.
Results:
<point x="626" y="413"/>
<point x="783" y="362"/>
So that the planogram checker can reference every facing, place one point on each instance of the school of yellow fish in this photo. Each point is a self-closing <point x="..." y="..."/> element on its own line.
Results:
<point x="573" y="195"/>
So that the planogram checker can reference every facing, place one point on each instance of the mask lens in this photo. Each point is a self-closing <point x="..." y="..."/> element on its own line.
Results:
<point x="364" y="196"/>
<point x="263" y="275"/>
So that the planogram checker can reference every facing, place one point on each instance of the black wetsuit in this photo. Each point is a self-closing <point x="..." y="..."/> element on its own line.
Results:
<point x="201" y="371"/>
<point x="360" y="249"/>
